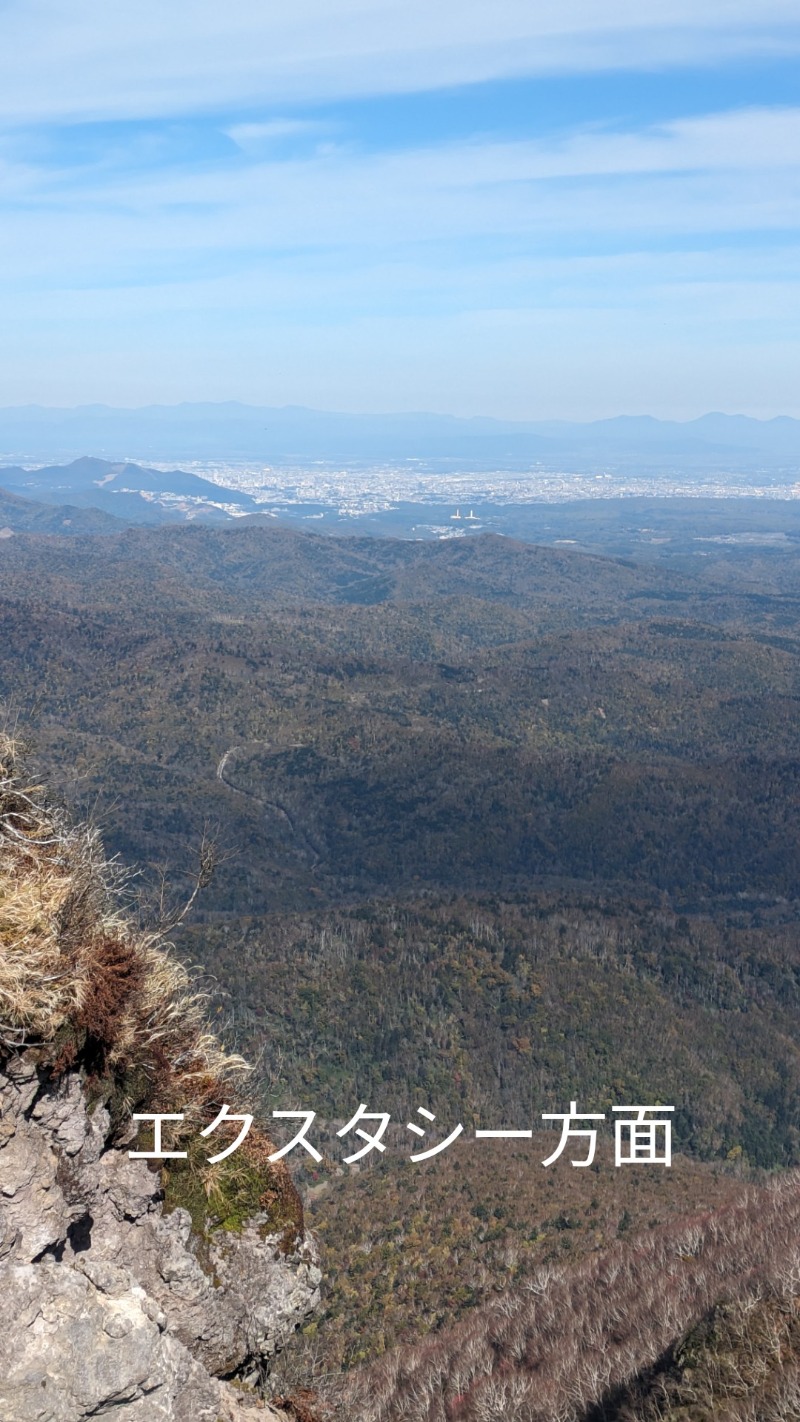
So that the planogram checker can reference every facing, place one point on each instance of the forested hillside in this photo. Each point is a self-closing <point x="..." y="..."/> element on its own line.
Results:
<point x="499" y="827"/>
<point x="365" y="717"/>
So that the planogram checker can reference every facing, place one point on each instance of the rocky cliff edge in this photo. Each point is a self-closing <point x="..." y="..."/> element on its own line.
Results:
<point x="129" y="1291"/>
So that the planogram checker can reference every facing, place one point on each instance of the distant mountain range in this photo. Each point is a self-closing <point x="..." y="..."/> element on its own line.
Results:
<point x="98" y="496"/>
<point x="232" y="431"/>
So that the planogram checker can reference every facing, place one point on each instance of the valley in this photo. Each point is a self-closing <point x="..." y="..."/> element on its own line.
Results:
<point x="498" y="826"/>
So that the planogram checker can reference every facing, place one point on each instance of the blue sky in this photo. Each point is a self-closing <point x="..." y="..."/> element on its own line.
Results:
<point x="513" y="207"/>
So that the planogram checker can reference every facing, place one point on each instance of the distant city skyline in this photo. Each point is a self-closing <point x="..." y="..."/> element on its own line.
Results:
<point x="526" y="211"/>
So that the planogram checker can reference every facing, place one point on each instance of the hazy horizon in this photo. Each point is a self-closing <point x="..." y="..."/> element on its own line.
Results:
<point x="405" y="412"/>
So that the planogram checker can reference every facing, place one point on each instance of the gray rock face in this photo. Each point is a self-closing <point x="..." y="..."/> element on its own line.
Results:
<point x="106" y="1308"/>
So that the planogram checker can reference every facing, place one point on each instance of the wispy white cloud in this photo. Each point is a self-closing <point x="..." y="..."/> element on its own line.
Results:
<point x="724" y="173"/>
<point x="77" y="59"/>
<point x="255" y="137"/>
<point x="243" y="256"/>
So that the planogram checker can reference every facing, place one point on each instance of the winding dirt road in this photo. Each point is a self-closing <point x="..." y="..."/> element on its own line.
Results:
<point x="300" y="836"/>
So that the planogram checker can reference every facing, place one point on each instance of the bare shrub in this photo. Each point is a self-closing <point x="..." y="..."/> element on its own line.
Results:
<point x="84" y="988"/>
<point x="77" y="976"/>
<point x="554" y="1351"/>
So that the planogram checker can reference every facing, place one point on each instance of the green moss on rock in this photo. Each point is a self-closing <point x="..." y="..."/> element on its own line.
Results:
<point x="226" y="1196"/>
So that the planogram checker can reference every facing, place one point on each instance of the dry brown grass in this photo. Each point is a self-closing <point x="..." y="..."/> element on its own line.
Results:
<point x="80" y="981"/>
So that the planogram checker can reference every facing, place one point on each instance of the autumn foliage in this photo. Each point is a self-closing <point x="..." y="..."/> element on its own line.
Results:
<point x="567" y="1346"/>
